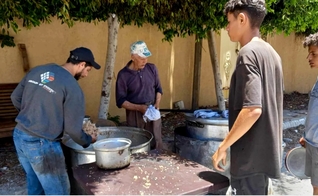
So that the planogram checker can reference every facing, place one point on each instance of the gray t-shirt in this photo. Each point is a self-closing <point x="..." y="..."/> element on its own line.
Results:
<point x="257" y="81"/>
<point x="311" y="131"/>
<point x="50" y="101"/>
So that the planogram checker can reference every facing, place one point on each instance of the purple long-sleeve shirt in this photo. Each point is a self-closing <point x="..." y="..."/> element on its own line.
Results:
<point x="137" y="87"/>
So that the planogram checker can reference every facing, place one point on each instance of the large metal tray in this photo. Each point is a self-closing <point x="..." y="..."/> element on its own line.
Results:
<point x="140" y="138"/>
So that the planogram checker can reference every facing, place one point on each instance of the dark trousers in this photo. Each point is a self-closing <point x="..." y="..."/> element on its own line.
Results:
<point x="251" y="185"/>
<point x="135" y="119"/>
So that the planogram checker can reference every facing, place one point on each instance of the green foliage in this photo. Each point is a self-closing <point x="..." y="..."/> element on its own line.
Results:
<point x="6" y="40"/>
<point x="30" y="12"/>
<point x="187" y="17"/>
<point x="173" y="17"/>
<point x="292" y="16"/>
<point x="115" y="119"/>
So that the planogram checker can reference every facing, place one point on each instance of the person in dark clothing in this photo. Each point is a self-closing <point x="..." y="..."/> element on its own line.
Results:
<point x="50" y="103"/>
<point x="137" y="87"/>
<point x="255" y="104"/>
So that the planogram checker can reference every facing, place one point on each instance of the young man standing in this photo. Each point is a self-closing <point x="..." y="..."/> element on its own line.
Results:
<point x="255" y="103"/>
<point x="50" y="103"/>
<point x="310" y="138"/>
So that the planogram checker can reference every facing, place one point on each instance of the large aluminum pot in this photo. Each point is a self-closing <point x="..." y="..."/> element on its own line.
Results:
<point x="140" y="139"/>
<point x="206" y="129"/>
<point x="112" y="153"/>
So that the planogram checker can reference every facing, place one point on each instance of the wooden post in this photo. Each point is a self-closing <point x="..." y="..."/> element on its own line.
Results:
<point x="25" y="58"/>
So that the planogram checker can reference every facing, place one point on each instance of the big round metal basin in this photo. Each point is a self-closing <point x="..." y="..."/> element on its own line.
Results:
<point x="140" y="139"/>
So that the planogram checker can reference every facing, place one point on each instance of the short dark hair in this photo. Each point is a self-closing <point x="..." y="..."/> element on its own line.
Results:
<point x="255" y="9"/>
<point x="75" y="62"/>
<point x="311" y="40"/>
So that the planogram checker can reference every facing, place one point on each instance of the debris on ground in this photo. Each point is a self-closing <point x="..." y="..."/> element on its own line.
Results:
<point x="12" y="176"/>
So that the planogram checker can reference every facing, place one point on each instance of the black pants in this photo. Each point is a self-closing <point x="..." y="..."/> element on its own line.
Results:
<point x="251" y="185"/>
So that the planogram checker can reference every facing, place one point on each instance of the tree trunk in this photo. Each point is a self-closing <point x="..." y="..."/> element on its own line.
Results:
<point x="113" y="26"/>
<point x="197" y="74"/>
<point x="216" y="71"/>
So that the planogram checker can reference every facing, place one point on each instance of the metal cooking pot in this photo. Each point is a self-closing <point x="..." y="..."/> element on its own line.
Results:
<point x="206" y="128"/>
<point x="112" y="153"/>
<point x="140" y="142"/>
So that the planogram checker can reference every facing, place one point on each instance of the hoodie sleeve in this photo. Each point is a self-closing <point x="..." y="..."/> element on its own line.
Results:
<point x="16" y="96"/>
<point x="74" y="112"/>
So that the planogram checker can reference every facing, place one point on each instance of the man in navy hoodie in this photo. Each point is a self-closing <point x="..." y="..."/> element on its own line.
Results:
<point x="50" y="103"/>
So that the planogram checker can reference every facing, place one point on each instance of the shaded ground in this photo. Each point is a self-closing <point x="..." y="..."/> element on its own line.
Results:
<point x="296" y="101"/>
<point x="12" y="177"/>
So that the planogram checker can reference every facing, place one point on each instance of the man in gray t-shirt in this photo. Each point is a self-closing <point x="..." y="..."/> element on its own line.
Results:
<point x="310" y="139"/>
<point x="255" y="103"/>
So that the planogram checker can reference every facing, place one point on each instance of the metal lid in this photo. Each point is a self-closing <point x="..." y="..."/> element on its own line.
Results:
<point x="295" y="162"/>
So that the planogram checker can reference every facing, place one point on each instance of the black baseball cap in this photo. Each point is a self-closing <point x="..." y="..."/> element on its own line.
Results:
<point x="84" y="54"/>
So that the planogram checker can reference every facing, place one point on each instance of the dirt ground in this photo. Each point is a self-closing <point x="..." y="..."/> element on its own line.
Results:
<point x="12" y="176"/>
<point x="13" y="180"/>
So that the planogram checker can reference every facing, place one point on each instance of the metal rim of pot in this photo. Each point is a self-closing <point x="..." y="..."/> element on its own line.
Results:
<point x="97" y="144"/>
<point x="190" y="118"/>
<point x="215" y="128"/>
<point x="123" y="129"/>
<point x="112" y="153"/>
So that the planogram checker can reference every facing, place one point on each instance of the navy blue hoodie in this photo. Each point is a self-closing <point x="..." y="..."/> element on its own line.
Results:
<point x="50" y="101"/>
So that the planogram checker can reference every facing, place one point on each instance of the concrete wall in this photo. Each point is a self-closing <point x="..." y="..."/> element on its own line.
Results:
<point x="298" y="76"/>
<point x="228" y="55"/>
<point x="52" y="43"/>
<point x="223" y="47"/>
